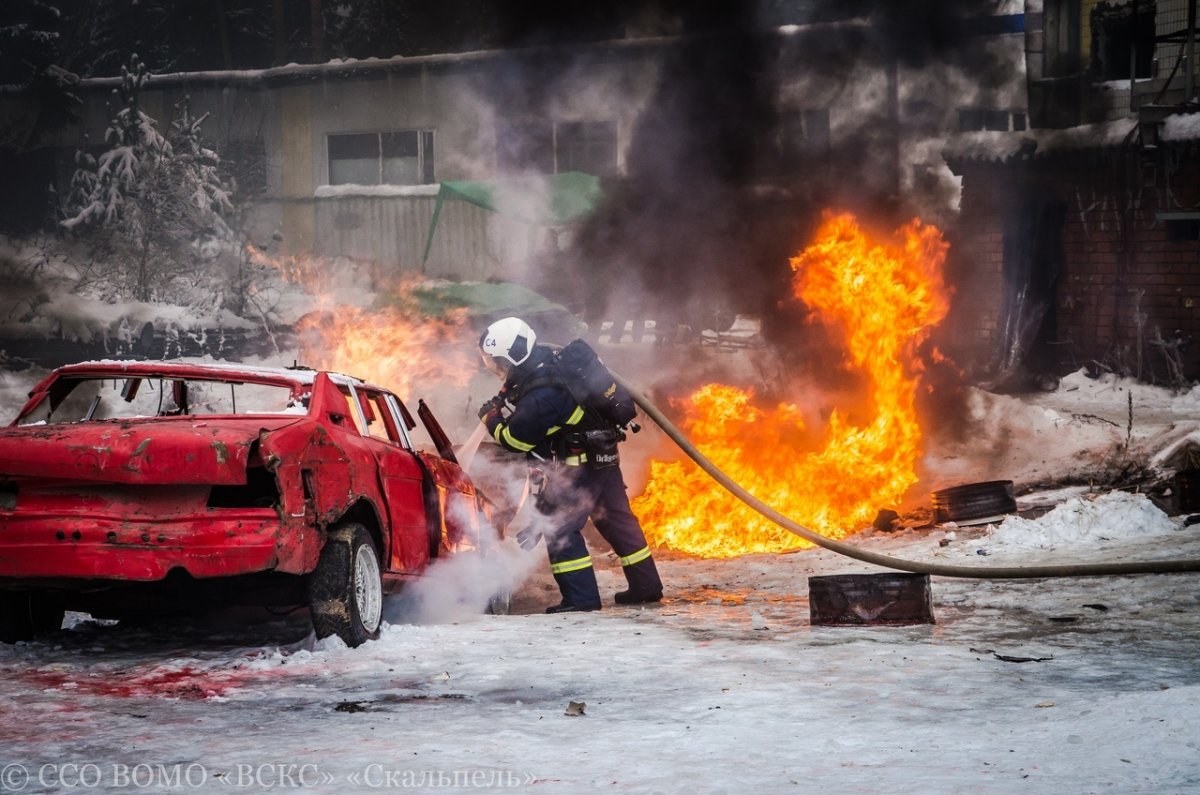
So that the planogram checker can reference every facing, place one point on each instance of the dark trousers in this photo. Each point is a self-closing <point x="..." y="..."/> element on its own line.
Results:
<point x="580" y="493"/>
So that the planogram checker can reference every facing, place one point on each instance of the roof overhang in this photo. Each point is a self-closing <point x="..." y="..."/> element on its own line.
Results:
<point x="1155" y="126"/>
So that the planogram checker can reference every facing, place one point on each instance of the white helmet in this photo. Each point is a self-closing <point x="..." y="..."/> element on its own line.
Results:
<point x="510" y="339"/>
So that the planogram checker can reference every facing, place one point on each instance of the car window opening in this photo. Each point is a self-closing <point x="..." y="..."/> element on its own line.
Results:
<point x="129" y="391"/>
<point x="91" y="412"/>
<point x="84" y="399"/>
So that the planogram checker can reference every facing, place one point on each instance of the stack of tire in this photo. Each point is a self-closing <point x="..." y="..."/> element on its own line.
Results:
<point x="974" y="501"/>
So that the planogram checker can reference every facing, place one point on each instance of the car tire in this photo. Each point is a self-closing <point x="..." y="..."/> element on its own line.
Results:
<point x="24" y="615"/>
<point x="974" y="501"/>
<point x="345" y="590"/>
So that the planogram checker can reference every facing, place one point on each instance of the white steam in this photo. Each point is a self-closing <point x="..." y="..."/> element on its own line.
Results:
<point x="459" y="588"/>
<point x="463" y="585"/>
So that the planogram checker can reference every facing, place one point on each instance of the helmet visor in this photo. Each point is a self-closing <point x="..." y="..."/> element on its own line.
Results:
<point x="495" y="365"/>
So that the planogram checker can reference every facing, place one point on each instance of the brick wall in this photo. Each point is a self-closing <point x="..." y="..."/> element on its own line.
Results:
<point x="974" y="266"/>
<point x="1123" y="280"/>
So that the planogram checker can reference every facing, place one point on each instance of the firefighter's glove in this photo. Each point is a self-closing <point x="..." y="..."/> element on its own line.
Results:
<point x="490" y="410"/>
<point x="528" y="538"/>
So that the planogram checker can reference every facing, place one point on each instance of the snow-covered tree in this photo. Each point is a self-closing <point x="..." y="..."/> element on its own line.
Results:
<point x="153" y="205"/>
<point x="199" y="165"/>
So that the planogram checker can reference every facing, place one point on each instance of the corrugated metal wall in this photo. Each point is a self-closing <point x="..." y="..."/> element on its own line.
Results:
<point x="469" y="244"/>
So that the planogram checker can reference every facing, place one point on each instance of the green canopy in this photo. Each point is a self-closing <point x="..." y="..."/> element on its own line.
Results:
<point x="484" y="302"/>
<point x="481" y="299"/>
<point x="550" y="200"/>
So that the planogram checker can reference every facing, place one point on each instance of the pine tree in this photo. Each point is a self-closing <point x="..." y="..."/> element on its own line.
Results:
<point x="151" y="204"/>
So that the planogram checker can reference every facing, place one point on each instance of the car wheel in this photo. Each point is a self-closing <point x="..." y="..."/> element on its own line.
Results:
<point x="24" y="616"/>
<point x="345" y="591"/>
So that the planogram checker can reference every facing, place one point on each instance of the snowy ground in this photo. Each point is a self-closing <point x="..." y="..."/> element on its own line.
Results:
<point x="1048" y="686"/>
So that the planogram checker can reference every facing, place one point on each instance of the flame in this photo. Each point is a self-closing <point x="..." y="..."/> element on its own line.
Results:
<point x="885" y="298"/>
<point x="315" y="274"/>
<point x="400" y="346"/>
<point x="389" y="347"/>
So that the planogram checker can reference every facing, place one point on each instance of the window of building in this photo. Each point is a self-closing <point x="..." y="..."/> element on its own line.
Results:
<point x="589" y="146"/>
<point x="1181" y="227"/>
<point x="245" y="162"/>
<point x="1061" y="28"/>
<point x="403" y="157"/>
<point x="976" y="119"/>
<point x="554" y="148"/>
<point x="1123" y="41"/>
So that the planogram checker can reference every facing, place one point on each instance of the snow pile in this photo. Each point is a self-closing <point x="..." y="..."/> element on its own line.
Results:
<point x="1179" y="448"/>
<point x="80" y="318"/>
<point x="1114" y="397"/>
<point x="1181" y="127"/>
<point x="1002" y="146"/>
<point x="1098" y="389"/>
<point x="1085" y="520"/>
<point x="1011" y="438"/>
<point x="1188" y="401"/>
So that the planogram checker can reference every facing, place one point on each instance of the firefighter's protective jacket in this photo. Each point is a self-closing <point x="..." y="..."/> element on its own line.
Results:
<point x="544" y="408"/>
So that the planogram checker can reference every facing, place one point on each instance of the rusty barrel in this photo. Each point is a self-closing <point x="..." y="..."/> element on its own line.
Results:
<point x="852" y="600"/>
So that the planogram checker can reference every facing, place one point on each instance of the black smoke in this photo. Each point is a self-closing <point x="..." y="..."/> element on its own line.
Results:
<point x="704" y="220"/>
<point x="683" y="223"/>
<point x="706" y="213"/>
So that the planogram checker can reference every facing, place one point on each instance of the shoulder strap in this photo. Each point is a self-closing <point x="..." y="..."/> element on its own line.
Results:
<point x="552" y="374"/>
<point x="546" y="375"/>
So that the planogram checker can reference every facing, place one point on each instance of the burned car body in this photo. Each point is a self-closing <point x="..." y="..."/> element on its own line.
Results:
<point x="130" y="485"/>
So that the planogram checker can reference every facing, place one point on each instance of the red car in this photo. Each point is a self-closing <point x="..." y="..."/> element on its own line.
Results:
<point x="165" y="486"/>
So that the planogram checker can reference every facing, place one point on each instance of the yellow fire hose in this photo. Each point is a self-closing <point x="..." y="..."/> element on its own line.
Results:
<point x="851" y="551"/>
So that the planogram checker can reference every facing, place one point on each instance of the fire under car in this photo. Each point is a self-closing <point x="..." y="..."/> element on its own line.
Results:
<point x="129" y="488"/>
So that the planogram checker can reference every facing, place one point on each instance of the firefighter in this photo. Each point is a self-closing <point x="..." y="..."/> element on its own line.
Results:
<point x="548" y="425"/>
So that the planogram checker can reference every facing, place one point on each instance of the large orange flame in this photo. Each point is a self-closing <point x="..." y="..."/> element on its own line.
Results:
<point x="885" y="298"/>
<point x="400" y="345"/>
<point x="389" y="347"/>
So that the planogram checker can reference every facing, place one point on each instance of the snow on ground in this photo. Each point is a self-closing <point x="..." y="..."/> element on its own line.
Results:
<point x="1088" y="430"/>
<point x="1040" y="686"/>
<point x="724" y="687"/>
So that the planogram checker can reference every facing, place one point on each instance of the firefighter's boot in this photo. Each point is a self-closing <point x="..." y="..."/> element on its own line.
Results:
<point x="645" y="586"/>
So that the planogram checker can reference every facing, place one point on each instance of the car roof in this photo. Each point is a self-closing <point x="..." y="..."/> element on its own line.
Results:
<point x="204" y="368"/>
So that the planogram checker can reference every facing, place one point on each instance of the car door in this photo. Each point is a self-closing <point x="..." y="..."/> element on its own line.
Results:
<point x="401" y="479"/>
<point x="461" y="509"/>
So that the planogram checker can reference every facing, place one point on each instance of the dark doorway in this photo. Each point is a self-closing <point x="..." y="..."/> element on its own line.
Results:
<point x="1033" y="260"/>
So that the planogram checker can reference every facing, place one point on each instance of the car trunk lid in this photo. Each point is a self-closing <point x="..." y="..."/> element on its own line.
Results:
<point x="180" y="450"/>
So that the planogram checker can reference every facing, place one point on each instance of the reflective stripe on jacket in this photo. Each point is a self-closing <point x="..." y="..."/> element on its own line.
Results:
<point x="540" y="413"/>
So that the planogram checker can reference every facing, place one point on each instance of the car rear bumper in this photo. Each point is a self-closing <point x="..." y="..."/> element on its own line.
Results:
<point x="73" y="547"/>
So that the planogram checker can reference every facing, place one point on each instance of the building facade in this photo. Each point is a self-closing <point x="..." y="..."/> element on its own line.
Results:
<point x="1079" y="239"/>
